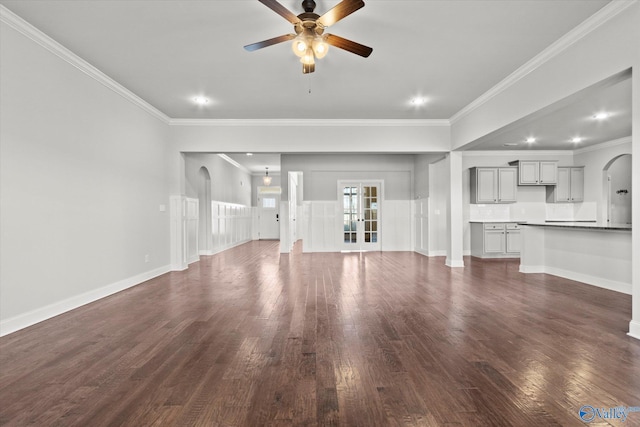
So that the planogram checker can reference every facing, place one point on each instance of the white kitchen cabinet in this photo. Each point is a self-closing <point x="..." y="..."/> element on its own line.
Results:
<point x="512" y="239"/>
<point x="495" y="240"/>
<point x="536" y="172"/>
<point x="493" y="184"/>
<point x="570" y="186"/>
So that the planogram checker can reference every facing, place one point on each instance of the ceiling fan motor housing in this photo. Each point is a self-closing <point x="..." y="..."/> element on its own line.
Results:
<point x="309" y="5"/>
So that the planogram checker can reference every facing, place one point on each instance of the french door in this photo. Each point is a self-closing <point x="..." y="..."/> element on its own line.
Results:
<point x="360" y="226"/>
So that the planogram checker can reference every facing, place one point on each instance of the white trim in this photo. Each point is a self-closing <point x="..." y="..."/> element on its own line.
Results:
<point x="454" y="263"/>
<point x="531" y="269"/>
<point x="612" y="285"/>
<point x="634" y="329"/>
<point x="603" y="145"/>
<point x="28" y="30"/>
<point x="311" y="122"/>
<point x="38" y="315"/>
<point x="442" y="252"/>
<point x="599" y="18"/>
<point x="234" y="163"/>
<point x="516" y="153"/>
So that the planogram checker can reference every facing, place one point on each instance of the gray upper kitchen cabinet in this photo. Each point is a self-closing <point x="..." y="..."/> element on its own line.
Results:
<point x="493" y="184"/>
<point x="570" y="186"/>
<point x="536" y="172"/>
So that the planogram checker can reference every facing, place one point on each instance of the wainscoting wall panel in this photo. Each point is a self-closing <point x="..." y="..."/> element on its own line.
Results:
<point x="396" y="220"/>
<point x="231" y="225"/>
<point x="322" y="226"/>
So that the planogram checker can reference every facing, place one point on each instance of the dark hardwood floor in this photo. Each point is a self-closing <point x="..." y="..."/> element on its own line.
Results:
<point x="250" y="338"/>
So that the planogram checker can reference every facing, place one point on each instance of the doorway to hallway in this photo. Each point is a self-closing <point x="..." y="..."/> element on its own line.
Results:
<point x="269" y="213"/>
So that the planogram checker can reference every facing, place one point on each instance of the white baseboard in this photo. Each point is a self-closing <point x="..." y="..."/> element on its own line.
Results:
<point x="634" y="329"/>
<point x="600" y="282"/>
<point x="38" y="315"/>
<point x="438" y="253"/>
<point x="531" y="268"/>
<point x="454" y="263"/>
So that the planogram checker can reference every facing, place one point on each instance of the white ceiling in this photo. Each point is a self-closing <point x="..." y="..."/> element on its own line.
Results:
<point x="449" y="52"/>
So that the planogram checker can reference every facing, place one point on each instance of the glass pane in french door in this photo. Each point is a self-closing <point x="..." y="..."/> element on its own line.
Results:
<point x="350" y="214"/>
<point x="370" y="211"/>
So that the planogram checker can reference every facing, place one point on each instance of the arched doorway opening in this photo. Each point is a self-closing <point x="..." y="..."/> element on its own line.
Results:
<point x="618" y="194"/>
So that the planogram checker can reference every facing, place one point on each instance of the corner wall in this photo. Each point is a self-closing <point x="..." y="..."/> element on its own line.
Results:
<point x="83" y="183"/>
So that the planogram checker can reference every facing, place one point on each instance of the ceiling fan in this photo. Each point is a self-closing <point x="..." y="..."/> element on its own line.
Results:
<point x="310" y="41"/>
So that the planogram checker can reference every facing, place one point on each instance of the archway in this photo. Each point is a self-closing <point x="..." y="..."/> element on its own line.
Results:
<point x="617" y="189"/>
<point x="205" y="243"/>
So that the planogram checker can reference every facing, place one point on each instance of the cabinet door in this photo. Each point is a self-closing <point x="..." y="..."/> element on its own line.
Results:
<point x="563" y="186"/>
<point x="548" y="172"/>
<point x="507" y="184"/>
<point x="487" y="185"/>
<point x="577" y="184"/>
<point x="513" y="241"/>
<point x="529" y="172"/>
<point x="493" y="241"/>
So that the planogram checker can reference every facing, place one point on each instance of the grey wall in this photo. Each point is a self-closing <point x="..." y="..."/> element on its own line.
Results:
<point x="82" y="179"/>
<point x="321" y="173"/>
<point x="229" y="184"/>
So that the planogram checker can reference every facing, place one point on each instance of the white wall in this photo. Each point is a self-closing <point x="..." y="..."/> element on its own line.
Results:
<point x="595" y="159"/>
<point x="300" y="136"/>
<point x="82" y="181"/>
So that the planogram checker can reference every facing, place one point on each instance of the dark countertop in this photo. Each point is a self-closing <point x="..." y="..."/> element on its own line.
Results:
<point x="494" y="221"/>
<point x="590" y="225"/>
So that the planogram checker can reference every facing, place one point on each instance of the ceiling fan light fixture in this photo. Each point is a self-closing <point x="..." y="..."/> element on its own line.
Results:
<point x="308" y="58"/>
<point x="320" y="47"/>
<point x="299" y="46"/>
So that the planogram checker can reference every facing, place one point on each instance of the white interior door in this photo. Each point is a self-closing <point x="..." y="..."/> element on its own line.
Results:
<point x="360" y="204"/>
<point x="269" y="215"/>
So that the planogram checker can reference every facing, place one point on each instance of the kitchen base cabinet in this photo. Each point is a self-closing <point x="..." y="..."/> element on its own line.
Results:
<point x="495" y="240"/>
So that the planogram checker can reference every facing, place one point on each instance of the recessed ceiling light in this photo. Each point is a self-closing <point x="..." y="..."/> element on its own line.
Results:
<point x="418" y="101"/>
<point x="530" y="140"/>
<point x="601" y="116"/>
<point x="249" y="154"/>
<point x="201" y="100"/>
<point x="576" y="140"/>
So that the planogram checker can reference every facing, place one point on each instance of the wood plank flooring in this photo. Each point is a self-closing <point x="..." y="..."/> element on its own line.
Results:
<point x="250" y="337"/>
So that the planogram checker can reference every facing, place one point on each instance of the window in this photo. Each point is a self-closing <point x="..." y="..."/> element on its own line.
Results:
<point x="268" y="203"/>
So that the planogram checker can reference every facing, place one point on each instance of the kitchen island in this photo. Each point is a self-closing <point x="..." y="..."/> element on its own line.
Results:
<point x="590" y="252"/>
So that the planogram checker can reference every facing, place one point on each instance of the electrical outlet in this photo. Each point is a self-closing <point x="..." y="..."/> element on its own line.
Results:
<point x="147" y="258"/>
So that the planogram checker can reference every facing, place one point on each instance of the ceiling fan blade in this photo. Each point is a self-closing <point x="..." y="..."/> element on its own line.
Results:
<point x="308" y="68"/>
<point x="270" y="42"/>
<point x="281" y="10"/>
<point x="348" y="45"/>
<point x="341" y="10"/>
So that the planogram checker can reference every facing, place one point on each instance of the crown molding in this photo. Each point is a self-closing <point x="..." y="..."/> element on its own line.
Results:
<point x="310" y="122"/>
<point x="516" y="153"/>
<point x="602" y="16"/>
<point x="603" y="145"/>
<point x="28" y="30"/>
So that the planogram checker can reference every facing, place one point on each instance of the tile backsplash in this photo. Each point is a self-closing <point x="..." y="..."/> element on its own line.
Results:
<point x="523" y="211"/>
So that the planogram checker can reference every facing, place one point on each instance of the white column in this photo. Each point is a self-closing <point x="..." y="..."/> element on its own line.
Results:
<point x="454" y="210"/>
<point x="634" y="325"/>
<point x="178" y="233"/>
